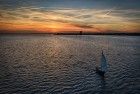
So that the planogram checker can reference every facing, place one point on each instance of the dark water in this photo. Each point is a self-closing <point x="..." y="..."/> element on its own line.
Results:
<point x="46" y="64"/>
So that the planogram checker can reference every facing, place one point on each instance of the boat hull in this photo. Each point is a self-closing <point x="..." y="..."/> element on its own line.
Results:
<point x="100" y="72"/>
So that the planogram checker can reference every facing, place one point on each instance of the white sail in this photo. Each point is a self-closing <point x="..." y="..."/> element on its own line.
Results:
<point x="103" y="63"/>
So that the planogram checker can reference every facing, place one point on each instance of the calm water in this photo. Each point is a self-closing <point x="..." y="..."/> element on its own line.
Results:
<point x="45" y="64"/>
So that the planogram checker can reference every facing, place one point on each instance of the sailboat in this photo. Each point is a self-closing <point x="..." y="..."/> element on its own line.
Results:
<point x="103" y="66"/>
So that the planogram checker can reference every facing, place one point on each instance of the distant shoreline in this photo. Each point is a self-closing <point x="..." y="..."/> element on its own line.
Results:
<point x="121" y="34"/>
<point x="129" y="34"/>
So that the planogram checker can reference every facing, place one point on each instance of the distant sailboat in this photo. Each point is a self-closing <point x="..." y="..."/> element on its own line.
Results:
<point x="103" y="67"/>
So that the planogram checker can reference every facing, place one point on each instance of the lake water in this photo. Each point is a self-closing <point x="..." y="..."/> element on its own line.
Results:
<point x="64" y="64"/>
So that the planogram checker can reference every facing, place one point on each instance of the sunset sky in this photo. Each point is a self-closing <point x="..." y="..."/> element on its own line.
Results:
<point x="70" y="15"/>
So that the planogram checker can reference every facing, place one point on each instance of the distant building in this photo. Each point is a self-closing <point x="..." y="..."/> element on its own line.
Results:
<point x="81" y="32"/>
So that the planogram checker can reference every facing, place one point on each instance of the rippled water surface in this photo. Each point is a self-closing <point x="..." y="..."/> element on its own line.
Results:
<point x="45" y="64"/>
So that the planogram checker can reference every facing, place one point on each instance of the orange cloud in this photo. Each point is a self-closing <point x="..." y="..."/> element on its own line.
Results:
<point x="56" y="20"/>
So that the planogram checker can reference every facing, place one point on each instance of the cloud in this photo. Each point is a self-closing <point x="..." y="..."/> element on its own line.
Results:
<point x="80" y="18"/>
<point x="83" y="26"/>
